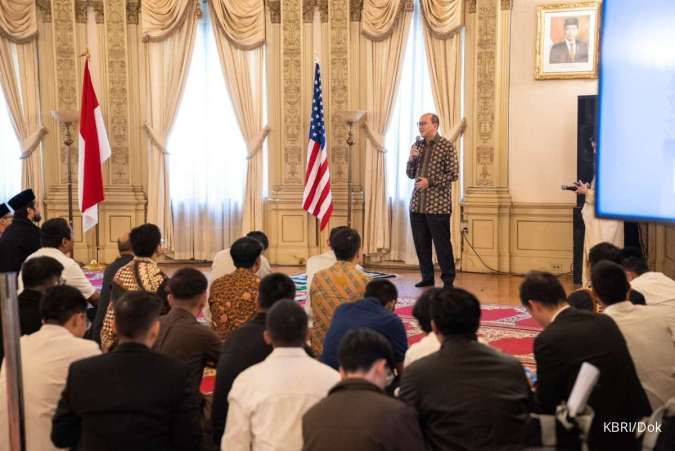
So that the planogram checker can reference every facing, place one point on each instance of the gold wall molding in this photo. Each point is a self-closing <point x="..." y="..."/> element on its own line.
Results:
<point x="339" y="87"/>
<point x="81" y="7"/>
<point x="485" y="81"/>
<point x="506" y="5"/>
<point x="471" y="6"/>
<point x="355" y="10"/>
<point x="45" y="10"/>
<point x="308" y="7"/>
<point x="292" y="92"/>
<point x="133" y="11"/>
<point x="118" y="120"/>
<point x="275" y="10"/>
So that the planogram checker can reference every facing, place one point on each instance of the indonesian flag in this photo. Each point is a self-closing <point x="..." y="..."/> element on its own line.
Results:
<point x="94" y="150"/>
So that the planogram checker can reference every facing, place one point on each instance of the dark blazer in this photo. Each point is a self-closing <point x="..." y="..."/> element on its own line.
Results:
<point x="578" y="336"/>
<point x="129" y="399"/>
<point x="468" y="397"/>
<point x="357" y="415"/>
<point x="20" y="239"/>
<point x="244" y="348"/>
<point x="560" y="53"/>
<point x="104" y="300"/>
<point x="182" y="337"/>
<point x="29" y="311"/>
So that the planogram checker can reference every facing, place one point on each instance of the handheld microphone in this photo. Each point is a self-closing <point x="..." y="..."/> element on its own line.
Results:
<point x="568" y="187"/>
<point x="419" y="142"/>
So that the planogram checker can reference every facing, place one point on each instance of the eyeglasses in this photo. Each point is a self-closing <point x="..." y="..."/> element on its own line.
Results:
<point x="422" y="123"/>
<point x="390" y="377"/>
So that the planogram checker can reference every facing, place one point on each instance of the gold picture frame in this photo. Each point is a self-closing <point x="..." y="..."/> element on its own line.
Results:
<point x="568" y="41"/>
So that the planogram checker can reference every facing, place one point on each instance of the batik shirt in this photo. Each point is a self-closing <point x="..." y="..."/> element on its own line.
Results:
<point x="342" y="282"/>
<point x="151" y="277"/>
<point x="437" y="163"/>
<point x="233" y="300"/>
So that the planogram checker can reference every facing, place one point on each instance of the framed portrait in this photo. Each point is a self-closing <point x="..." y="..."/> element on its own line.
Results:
<point x="568" y="38"/>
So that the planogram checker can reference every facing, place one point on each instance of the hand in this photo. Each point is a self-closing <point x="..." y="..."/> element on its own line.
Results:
<point x="414" y="152"/>
<point x="582" y="188"/>
<point x="422" y="183"/>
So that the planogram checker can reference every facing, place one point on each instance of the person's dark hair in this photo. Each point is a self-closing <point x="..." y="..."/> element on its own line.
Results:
<point x="123" y="246"/>
<point x="581" y="300"/>
<point x="53" y="231"/>
<point x="22" y="213"/>
<point x="455" y="312"/>
<point x="361" y="348"/>
<point x="345" y="243"/>
<point x="609" y="282"/>
<point x="60" y="303"/>
<point x="275" y="287"/>
<point x="287" y="324"/>
<point x="422" y="309"/>
<point x="245" y="251"/>
<point x="135" y="313"/>
<point x="434" y="119"/>
<point x="335" y="230"/>
<point x="145" y="239"/>
<point x="604" y="251"/>
<point x="637" y="265"/>
<point x="382" y="289"/>
<point x="543" y="287"/>
<point x="37" y="271"/>
<point x="260" y="237"/>
<point x="187" y="283"/>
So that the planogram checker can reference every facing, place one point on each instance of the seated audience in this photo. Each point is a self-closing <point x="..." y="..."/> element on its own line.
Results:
<point x="646" y="331"/>
<point x="375" y="312"/>
<point x="45" y="358"/>
<point x="357" y="414"/>
<point x="5" y="218"/>
<point x="22" y="237"/>
<point x="223" y="263"/>
<point x="468" y="395"/>
<point x="126" y="255"/>
<point x="582" y="299"/>
<point x="141" y="273"/>
<point x="608" y="251"/>
<point x="422" y="313"/>
<point x="246" y="346"/>
<point x="57" y="242"/>
<point x="232" y="298"/>
<point x="342" y="282"/>
<point x="37" y="275"/>
<point x="571" y="337"/>
<point x="268" y="400"/>
<point x="316" y="263"/>
<point x="180" y="335"/>
<point x="130" y="398"/>
<point x="657" y="288"/>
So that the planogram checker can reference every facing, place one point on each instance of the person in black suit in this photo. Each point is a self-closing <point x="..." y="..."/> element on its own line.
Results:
<point x="571" y="50"/>
<point x="246" y="347"/>
<point x="131" y="398"/>
<point x="126" y="255"/>
<point x="571" y="337"/>
<point x="22" y="236"/>
<point x="468" y="396"/>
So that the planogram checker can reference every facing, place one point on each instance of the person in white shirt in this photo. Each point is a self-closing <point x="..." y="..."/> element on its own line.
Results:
<point x="223" y="264"/>
<point x="45" y="358"/>
<point x="645" y="329"/>
<point x="57" y="242"/>
<point x="267" y="401"/>
<point x="656" y="287"/>
<point x="429" y="343"/>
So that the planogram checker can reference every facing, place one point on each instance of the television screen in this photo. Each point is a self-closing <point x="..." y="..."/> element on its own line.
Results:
<point x="636" y="128"/>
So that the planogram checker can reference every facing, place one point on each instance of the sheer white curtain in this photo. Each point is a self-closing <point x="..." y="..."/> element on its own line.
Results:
<point x="10" y="150"/>
<point x="414" y="98"/>
<point x="207" y="155"/>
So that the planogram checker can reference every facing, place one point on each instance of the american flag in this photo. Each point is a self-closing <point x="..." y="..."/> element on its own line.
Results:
<point x="317" y="199"/>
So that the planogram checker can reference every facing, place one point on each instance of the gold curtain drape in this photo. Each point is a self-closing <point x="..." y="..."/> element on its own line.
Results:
<point x="169" y="28"/>
<point x="443" y="21"/>
<point x="385" y="51"/>
<point x="239" y="30"/>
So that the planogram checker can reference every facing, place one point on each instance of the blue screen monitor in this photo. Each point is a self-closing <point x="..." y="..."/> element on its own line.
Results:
<point x="636" y="131"/>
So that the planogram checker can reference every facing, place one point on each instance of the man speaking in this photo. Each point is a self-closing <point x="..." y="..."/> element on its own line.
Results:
<point x="433" y="165"/>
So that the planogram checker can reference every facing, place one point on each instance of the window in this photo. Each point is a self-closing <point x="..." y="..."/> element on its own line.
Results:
<point x="207" y="156"/>
<point x="10" y="151"/>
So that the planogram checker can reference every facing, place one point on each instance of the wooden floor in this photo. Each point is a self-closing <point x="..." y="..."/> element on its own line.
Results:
<point x="489" y="288"/>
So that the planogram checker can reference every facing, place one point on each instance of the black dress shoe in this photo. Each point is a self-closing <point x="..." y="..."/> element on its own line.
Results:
<point x="425" y="283"/>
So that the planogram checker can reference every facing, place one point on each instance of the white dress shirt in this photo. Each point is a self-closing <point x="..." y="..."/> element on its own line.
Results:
<point x="223" y="264"/>
<point x="427" y="345"/>
<point x="72" y="273"/>
<point x="650" y="343"/>
<point x="656" y="287"/>
<point x="268" y="400"/>
<point x="45" y="358"/>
